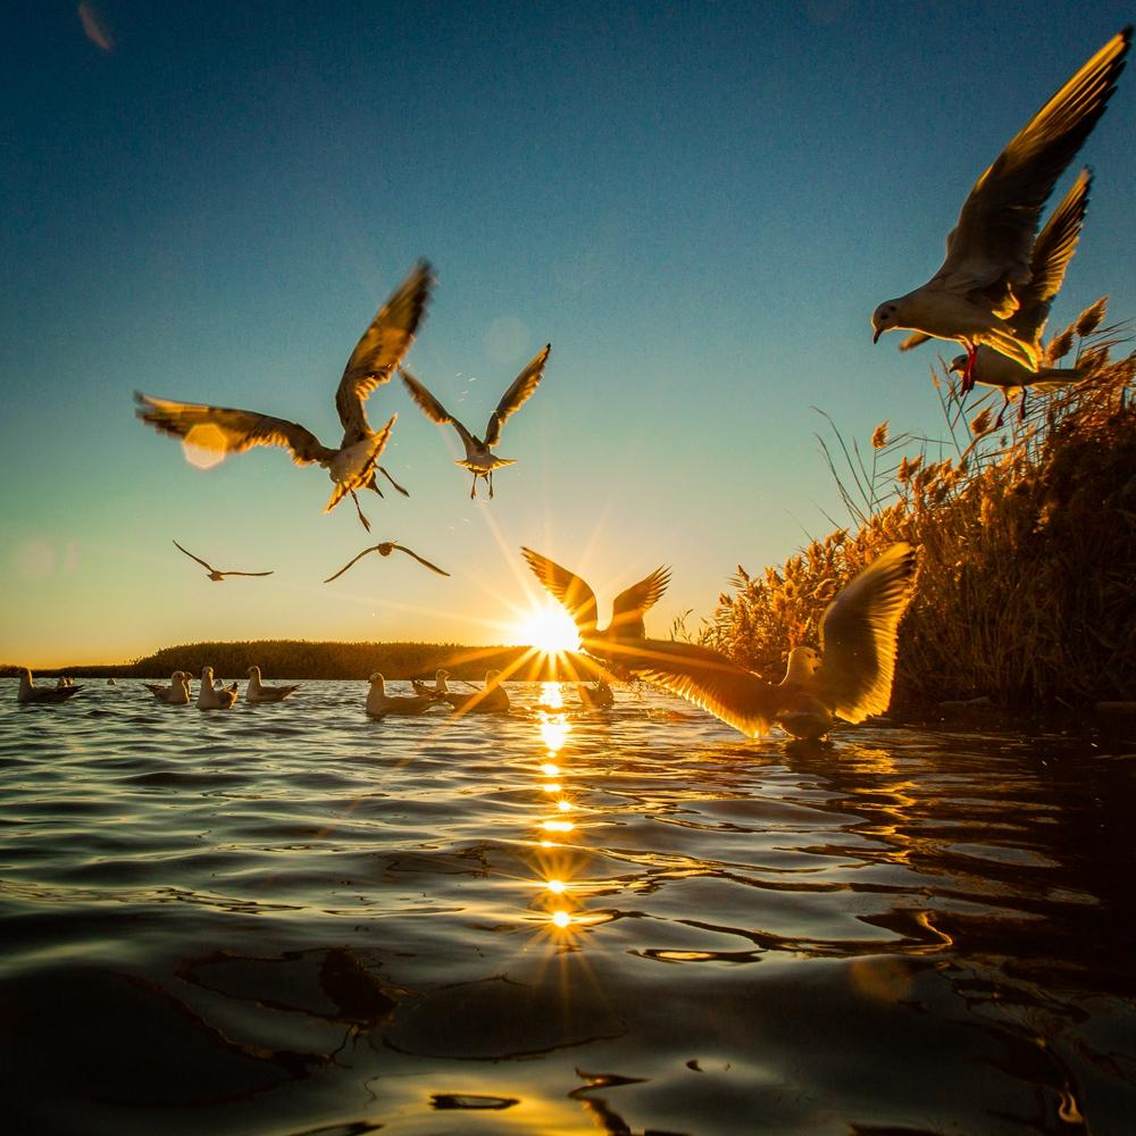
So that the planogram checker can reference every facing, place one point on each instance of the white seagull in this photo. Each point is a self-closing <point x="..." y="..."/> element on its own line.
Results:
<point x="373" y="362"/>
<point x="1052" y="251"/>
<point x="385" y="548"/>
<point x="214" y="574"/>
<point x="479" y="458"/>
<point x="210" y="697"/>
<point x="256" y="691"/>
<point x="987" y="268"/>
<point x="176" y="694"/>
<point x="850" y="677"/>
<point x="492" y="698"/>
<point x="29" y="692"/>
<point x="439" y="688"/>
<point x="380" y="704"/>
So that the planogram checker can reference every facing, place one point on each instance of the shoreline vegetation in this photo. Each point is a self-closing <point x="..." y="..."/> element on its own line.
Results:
<point x="312" y="659"/>
<point x="1025" y="601"/>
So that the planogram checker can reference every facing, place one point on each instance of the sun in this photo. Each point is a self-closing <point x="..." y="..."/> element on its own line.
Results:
<point x="548" y="628"/>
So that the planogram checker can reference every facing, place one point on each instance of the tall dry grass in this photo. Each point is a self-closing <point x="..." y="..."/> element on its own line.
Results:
<point x="1026" y="589"/>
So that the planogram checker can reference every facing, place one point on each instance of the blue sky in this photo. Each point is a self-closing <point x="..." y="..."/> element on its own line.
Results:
<point x="697" y="205"/>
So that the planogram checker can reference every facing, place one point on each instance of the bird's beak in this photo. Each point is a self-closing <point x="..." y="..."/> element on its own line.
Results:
<point x="876" y="335"/>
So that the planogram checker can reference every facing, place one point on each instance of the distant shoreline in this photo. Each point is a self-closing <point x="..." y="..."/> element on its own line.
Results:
<point x="308" y="659"/>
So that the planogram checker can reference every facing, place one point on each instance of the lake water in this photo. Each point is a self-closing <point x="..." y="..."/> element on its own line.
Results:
<point x="292" y="919"/>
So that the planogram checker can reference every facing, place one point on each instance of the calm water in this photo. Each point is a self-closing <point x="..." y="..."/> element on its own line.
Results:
<point x="291" y="919"/>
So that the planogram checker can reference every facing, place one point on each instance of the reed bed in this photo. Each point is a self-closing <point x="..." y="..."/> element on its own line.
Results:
<point x="1026" y="590"/>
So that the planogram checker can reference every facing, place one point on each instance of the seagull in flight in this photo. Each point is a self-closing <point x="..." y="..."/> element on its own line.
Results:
<point x="353" y="464"/>
<point x="385" y="548"/>
<point x="215" y="575"/>
<point x="849" y="677"/>
<point x="479" y="458"/>
<point x="1052" y="251"/>
<point x="987" y="270"/>
<point x="578" y="599"/>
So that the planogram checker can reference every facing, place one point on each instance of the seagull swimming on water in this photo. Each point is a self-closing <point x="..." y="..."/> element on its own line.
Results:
<point x="353" y="465"/>
<point x="380" y="704"/>
<point x="215" y="575"/>
<point x="849" y="677"/>
<point x="385" y="548"/>
<point x="29" y="692"/>
<point x="981" y="283"/>
<point x="210" y="697"/>
<point x="479" y="458"/>
<point x="176" y="694"/>
<point x="256" y="691"/>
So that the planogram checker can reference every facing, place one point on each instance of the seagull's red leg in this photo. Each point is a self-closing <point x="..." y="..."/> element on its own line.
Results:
<point x="473" y="488"/>
<point x="968" y="374"/>
<point x="490" y="479"/>
<point x="1002" y="412"/>
<point x="1022" y="410"/>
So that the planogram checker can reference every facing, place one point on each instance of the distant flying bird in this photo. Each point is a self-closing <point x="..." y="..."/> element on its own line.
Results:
<point x="29" y="692"/>
<point x="214" y="574"/>
<point x="578" y="599"/>
<point x="380" y="704"/>
<point x="385" y="548"/>
<point x="210" y="697"/>
<point x="176" y="694"/>
<point x="1052" y="251"/>
<point x="987" y="268"/>
<point x="479" y="458"/>
<point x="850" y="676"/>
<point x="352" y="466"/>
<point x="258" y="692"/>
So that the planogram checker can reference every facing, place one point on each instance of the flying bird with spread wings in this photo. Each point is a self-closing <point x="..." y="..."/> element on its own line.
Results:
<point x="578" y="599"/>
<point x="988" y="269"/>
<point x="214" y="574"/>
<point x="479" y="458"/>
<point x="352" y="466"/>
<point x="385" y="548"/>
<point x="849" y="677"/>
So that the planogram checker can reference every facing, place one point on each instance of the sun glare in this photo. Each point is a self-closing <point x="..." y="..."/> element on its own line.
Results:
<point x="548" y="628"/>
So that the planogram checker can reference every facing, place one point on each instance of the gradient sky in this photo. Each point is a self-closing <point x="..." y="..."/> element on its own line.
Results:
<point x="697" y="205"/>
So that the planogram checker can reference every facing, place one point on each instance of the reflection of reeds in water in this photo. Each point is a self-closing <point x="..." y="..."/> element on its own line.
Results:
<point x="1027" y="541"/>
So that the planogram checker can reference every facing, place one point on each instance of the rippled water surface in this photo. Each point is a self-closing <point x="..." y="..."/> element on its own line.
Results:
<point x="291" y="919"/>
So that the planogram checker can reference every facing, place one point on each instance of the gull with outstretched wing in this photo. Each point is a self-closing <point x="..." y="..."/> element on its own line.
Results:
<point x="849" y="677"/>
<point x="988" y="266"/>
<point x="385" y="548"/>
<point x="214" y="574"/>
<point x="353" y="465"/>
<point x="479" y="458"/>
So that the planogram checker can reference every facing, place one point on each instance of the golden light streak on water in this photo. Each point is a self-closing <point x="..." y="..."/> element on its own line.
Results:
<point x="561" y="919"/>
<point x="204" y="446"/>
<point x="551" y="787"/>
<point x="554" y="733"/>
<point x="557" y="825"/>
<point x="550" y="769"/>
<point x="551" y="696"/>
<point x="558" y="887"/>
<point x="564" y="806"/>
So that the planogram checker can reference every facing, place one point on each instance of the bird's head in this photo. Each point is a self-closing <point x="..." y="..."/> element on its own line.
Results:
<point x="804" y="662"/>
<point x="254" y="671"/>
<point x="958" y="365"/>
<point x="885" y="317"/>
<point x="376" y="678"/>
<point x="206" y="674"/>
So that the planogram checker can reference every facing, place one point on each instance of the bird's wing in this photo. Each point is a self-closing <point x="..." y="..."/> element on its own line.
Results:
<point x="229" y="431"/>
<point x="628" y="607"/>
<point x="207" y="567"/>
<point x="421" y="560"/>
<point x="706" y="678"/>
<point x="1052" y="252"/>
<point x="915" y="339"/>
<point x="858" y="636"/>
<point x="573" y="593"/>
<point x="247" y="573"/>
<point x="380" y="350"/>
<point x="990" y="245"/>
<point x="431" y="407"/>
<point x="517" y="394"/>
<point x="353" y="560"/>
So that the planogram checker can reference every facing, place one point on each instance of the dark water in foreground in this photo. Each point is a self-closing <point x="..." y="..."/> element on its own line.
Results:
<point x="290" y="919"/>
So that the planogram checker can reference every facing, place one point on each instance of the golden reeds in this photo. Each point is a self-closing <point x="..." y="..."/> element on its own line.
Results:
<point x="1027" y="536"/>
